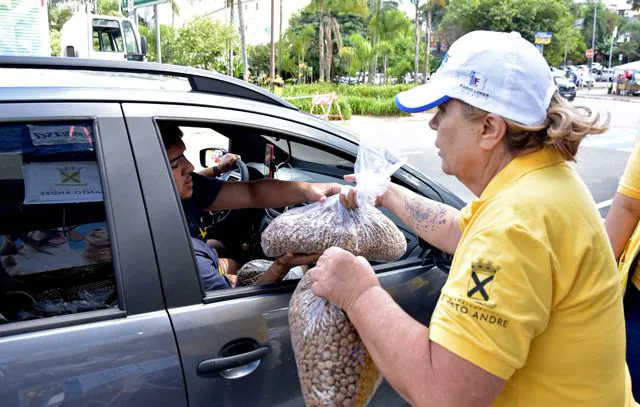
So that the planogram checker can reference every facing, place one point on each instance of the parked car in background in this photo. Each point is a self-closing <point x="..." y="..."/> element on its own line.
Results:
<point x="565" y="87"/>
<point x="101" y="303"/>
<point x="606" y="75"/>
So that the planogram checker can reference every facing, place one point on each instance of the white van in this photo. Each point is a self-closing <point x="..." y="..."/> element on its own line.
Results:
<point x="102" y="37"/>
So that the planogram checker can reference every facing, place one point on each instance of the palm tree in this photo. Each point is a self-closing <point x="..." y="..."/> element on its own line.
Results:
<point x="393" y="24"/>
<point x="243" y="43"/>
<point x="329" y="28"/>
<point x="231" y="23"/>
<point x="299" y="41"/>
<point x="428" y="8"/>
<point x="416" y="67"/>
<point x="375" y="27"/>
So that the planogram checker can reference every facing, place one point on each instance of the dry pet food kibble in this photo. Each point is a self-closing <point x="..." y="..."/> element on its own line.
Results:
<point x="363" y="231"/>
<point x="251" y="272"/>
<point x="334" y="366"/>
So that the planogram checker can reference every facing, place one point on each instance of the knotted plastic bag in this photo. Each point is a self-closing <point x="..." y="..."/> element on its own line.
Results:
<point x="364" y="231"/>
<point x="334" y="366"/>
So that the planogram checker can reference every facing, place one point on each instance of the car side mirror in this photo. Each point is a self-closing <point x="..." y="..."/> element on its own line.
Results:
<point x="144" y="45"/>
<point x="209" y="157"/>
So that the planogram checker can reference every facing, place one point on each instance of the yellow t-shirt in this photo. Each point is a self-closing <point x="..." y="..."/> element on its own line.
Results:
<point x="630" y="186"/>
<point x="533" y="293"/>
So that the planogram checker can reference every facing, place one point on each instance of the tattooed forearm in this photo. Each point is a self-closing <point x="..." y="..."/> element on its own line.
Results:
<point x="426" y="215"/>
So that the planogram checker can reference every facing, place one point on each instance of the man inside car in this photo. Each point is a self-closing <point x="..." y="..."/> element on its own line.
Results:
<point x="202" y="193"/>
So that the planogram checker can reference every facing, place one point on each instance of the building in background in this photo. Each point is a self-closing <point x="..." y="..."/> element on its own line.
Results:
<point x="257" y="15"/>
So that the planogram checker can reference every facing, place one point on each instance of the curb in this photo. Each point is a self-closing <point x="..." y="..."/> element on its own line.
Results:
<point x="630" y="99"/>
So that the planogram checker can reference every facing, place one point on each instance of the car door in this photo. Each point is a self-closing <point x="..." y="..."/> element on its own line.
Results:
<point x="82" y="317"/>
<point x="235" y="343"/>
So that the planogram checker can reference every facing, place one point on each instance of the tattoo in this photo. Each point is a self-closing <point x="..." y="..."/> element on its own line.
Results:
<point x="427" y="216"/>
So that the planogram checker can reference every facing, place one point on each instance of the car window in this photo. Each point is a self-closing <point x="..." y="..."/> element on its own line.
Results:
<point x="310" y="154"/>
<point x="107" y="36"/>
<point x="198" y="138"/>
<point x="55" y="249"/>
<point x="130" y="38"/>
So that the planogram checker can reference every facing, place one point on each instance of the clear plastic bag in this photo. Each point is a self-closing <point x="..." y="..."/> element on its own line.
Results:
<point x="364" y="231"/>
<point x="251" y="272"/>
<point x="334" y="366"/>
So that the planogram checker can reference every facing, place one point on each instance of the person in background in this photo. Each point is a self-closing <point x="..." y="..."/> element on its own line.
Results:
<point x="624" y="234"/>
<point x="531" y="313"/>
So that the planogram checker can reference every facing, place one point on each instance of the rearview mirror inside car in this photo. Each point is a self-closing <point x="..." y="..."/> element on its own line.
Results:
<point x="212" y="156"/>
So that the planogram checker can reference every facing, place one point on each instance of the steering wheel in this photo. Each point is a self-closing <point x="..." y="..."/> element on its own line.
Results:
<point x="237" y="173"/>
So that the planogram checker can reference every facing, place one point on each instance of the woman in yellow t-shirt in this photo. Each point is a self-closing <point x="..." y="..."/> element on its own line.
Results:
<point x="624" y="234"/>
<point x="531" y="312"/>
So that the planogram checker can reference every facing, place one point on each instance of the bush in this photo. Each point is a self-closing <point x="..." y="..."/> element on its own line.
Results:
<point x="305" y="106"/>
<point x="381" y="91"/>
<point x="368" y="106"/>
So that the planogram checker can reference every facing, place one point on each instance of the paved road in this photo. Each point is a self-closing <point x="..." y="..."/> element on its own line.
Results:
<point x="600" y="161"/>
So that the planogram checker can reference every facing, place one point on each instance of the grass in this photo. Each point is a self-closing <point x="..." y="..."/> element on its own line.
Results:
<point x="353" y="99"/>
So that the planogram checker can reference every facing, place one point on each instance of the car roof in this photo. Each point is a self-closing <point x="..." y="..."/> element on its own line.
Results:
<point x="18" y="72"/>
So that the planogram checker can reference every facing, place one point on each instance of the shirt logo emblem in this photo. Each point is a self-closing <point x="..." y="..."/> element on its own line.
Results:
<point x="476" y="80"/>
<point x="481" y="282"/>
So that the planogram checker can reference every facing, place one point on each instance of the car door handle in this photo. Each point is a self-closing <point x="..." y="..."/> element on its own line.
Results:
<point x="219" y="364"/>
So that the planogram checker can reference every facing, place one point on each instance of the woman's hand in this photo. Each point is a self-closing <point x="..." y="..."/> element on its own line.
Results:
<point x="349" y="195"/>
<point x="341" y="277"/>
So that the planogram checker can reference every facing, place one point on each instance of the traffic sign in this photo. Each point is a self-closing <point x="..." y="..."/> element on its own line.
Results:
<point x="140" y="3"/>
<point x="543" y="38"/>
<point x="589" y="53"/>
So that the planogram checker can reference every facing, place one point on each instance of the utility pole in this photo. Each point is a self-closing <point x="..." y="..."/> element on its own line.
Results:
<point x="280" y="43"/>
<point x="613" y="38"/>
<point x="593" y="42"/>
<point x="157" y="20"/>
<point x="273" y="45"/>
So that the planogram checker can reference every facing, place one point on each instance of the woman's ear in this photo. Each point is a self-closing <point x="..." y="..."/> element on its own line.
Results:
<point x="494" y="130"/>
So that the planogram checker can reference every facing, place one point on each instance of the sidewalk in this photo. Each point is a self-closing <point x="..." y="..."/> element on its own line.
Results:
<point x="601" y="93"/>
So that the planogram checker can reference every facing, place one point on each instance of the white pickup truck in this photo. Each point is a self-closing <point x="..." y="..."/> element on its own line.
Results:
<point x="95" y="36"/>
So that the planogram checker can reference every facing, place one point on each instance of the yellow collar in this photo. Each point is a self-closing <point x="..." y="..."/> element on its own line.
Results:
<point x="520" y="166"/>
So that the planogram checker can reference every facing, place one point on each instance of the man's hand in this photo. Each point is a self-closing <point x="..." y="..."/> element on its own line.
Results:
<point x="281" y="266"/>
<point x="226" y="162"/>
<point x="341" y="277"/>
<point x="320" y="192"/>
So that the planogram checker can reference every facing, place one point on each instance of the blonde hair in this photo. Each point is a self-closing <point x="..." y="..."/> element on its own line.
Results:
<point x="564" y="128"/>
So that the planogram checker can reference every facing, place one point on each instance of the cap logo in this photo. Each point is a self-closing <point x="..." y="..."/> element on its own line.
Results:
<point x="476" y="80"/>
<point x="444" y="61"/>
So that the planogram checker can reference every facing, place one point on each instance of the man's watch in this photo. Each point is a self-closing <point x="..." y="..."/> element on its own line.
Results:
<point x="216" y="170"/>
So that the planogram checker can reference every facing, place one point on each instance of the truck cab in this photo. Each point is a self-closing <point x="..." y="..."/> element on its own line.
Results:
<point x="95" y="36"/>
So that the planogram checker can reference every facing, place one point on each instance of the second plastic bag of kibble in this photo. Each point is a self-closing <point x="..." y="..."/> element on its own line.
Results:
<point x="334" y="366"/>
<point x="364" y="231"/>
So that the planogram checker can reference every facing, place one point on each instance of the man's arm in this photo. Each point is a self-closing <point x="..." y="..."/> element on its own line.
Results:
<point x="621" y="221"/>
<point x="423" y="372"/>
<point x="270" y="193"/>
<point x="433" y="221"/>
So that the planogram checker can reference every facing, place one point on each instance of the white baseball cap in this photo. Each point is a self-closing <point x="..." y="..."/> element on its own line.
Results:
<point x="498" y="72"/>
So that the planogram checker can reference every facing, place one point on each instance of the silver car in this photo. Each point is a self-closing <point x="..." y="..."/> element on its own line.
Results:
<point x="100" y="300"/>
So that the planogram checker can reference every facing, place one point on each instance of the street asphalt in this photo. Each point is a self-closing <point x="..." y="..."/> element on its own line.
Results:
<point x="600" y="162"/>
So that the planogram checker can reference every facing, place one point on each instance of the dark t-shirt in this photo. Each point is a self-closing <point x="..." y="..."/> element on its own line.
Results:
<point x="205" y="192"/>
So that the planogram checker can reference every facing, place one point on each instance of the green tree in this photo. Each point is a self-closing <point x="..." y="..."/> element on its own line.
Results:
<point x="394" y="24"/>
<point x="329" y="28"/>
<point x="259" y="58"/>
<point x="203" y="43"/>
<point x="298" y="44"/>
<point x="428" y="10"/>
<point x="109" y="8"/>
<point x="606" y="20"/>
<point x="54" y="39"/>
<point x="168" y="38"/>
<point x="362" y="52"/>
<point x="527" y="18"/>
<point x="416" y="21"/>
<point x="630" y="50"/>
